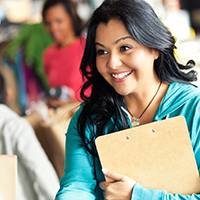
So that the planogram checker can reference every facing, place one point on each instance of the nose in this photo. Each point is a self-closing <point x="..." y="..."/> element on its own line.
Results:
<point x="51" y="27"/>
<point x="114" y="61"/>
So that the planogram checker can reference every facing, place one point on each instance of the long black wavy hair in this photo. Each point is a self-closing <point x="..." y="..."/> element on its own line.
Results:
<point x="145" y="27"/>
<point x="70" y="8"/>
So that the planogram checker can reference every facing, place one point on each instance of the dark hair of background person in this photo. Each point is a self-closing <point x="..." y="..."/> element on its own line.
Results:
<point x="70" y="8"/>
<point x="190" y="5"/>
<point x="3" y="92"/>
<point x="144" y="26"/>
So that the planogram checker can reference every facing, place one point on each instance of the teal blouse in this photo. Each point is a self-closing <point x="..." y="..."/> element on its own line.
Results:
<point x="83" y="172"/>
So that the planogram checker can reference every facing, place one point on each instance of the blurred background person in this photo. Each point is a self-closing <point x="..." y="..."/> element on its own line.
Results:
<point x="62" y="59"/>
<point x="172" y="5"/>
<point x="37" y="179"/>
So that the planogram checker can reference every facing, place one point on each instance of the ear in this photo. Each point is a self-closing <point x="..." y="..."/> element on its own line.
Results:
<point x="9" y="94"/>
<point x="156" y="54"/>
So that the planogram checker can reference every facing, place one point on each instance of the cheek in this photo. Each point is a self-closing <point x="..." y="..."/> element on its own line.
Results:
<point x="141" y="61"/>
<point x="100" y="66"/>
<point x="67" y="24"/>
<point x="100" y="70"/>
<point x="63" y="26"/>
<point x="134" y="61"/>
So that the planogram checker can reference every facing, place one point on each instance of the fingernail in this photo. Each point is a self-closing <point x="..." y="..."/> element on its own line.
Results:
<point x="105" y="171"/>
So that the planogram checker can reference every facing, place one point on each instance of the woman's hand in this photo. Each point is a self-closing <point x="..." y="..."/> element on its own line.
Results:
<point x="121" y="188"/>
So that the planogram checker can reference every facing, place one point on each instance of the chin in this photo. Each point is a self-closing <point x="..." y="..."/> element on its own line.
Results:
<point x="58" y="41"/>
<point x="122" y="92"/>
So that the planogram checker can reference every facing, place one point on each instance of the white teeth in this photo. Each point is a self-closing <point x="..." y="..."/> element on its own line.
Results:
<point x="122" y="75"/>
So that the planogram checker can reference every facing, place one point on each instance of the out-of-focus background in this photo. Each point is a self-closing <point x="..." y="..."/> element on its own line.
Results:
<point x="21" y="24"/>
<point x="23" y="39"/>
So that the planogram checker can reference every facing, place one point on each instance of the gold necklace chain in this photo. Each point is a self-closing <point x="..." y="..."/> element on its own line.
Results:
<point x="136" y="120"/>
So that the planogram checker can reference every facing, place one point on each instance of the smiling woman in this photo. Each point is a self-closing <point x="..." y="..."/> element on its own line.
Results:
<point x="59" y="24"/>
<point x="62" y="59"/>
<point x="129" y="62"/>
<point x="119" y="59"/>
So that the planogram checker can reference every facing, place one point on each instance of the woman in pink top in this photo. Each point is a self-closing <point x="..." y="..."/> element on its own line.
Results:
<point x="62" y="59"/>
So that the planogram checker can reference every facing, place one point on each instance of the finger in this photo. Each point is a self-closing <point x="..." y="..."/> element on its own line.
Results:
<point x="102" y="185"/>
<point x="113" y="175"/>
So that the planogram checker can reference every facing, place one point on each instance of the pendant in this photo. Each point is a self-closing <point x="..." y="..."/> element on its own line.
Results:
<point x="135" y="122"/>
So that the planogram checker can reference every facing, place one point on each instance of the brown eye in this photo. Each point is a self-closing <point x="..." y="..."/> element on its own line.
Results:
<point x="124" y="48"/>
<point x="59" y="21"/>
<point x="101" y="52"/>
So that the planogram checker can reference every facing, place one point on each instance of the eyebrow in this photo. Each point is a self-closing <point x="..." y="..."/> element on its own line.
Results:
<point x="96" y="43"/>
<point x="123" y="38"/>
<point x="117" y="41"/>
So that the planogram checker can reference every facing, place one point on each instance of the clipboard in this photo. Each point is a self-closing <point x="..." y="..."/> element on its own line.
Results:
<point x="158" y="155"/>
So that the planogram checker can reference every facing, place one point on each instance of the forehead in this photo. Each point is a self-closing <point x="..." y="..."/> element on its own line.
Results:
<point x="111" y="31"/>
<point x="56" y="11"/>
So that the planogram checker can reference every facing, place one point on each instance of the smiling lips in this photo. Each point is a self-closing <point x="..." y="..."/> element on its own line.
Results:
<point x="121" y="75"/>
<point x="56" y="36"/>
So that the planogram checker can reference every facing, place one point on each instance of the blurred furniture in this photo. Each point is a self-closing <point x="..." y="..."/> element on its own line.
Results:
<point x="52" y="135"/>
<point x="8" y="177"/>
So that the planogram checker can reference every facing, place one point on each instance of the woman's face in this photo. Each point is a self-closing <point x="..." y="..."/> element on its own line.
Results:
<point x="59" y="24"/>
<point x="124" y="63"/>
